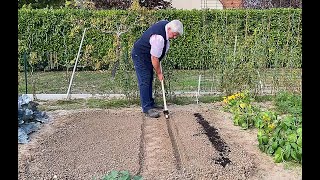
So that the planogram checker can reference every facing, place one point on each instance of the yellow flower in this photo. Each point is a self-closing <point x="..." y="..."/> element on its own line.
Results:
<point x="266" y="118"/>
<point x="271" y="126"/>
<point x="243" y="105"/>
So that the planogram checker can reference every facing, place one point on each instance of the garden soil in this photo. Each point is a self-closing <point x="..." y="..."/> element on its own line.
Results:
<point x="196" y="142"/>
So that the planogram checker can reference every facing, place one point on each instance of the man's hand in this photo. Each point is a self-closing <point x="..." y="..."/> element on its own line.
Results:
<point x="160" y="77"/>
<point x="156" y="66"/>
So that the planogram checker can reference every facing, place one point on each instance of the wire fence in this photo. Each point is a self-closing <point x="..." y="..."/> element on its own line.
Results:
<point x="177" y="82"/>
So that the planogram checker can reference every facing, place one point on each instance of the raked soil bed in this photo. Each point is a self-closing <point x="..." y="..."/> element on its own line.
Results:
<point x="196" y="142"/>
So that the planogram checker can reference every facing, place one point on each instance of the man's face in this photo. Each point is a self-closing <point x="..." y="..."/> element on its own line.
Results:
<point x="172" y="35"/>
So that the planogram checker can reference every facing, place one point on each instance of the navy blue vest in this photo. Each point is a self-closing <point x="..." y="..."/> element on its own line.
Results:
<point x="142" y="45"/>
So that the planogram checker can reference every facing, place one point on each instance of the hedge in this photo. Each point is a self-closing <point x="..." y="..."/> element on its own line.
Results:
<point x="211" y="39"/>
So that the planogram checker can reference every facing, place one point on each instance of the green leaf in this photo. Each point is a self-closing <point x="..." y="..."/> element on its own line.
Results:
<point x="113" y="174"/>
<point x="260" y="139"/>
<point x="274" y="145"/>
<point x="284" y="126"/>
<point x="299" y="131"/>
<point x="299" y="141"/>
<point x="236" y="122"/>
<point x="281" y="142"/>
<point x="294" y="145"/>
<point x="292" y="137"/>
<point x="299" y="154"/>
<point x="277" y="130"/>
<point x="137" y="178"/>
<point x="260" y="133"/>
<point x="300" y="150"/>
<point x="261" y="147"/>
<point x="278" y="155"/>
<point x="265" y="139"/>
<point x="287" y="152"/>
<point x="244" y="125"/>
<point x="270" y="150"/>
<point x="125" y="175"/>
<point x="294" y="154"/>
<point x="288" y="121"/>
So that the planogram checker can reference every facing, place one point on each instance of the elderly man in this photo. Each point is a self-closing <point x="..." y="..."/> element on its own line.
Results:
<point x="147" y="52"/>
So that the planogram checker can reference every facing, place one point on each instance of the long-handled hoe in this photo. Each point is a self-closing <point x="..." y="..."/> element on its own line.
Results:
<point x="165" y="111"/>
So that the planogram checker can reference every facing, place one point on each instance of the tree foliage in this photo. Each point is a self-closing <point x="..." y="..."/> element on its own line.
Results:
<point x="94" y="4"/>
<point x="266" y="4"/>
<point x="112" y="4"/>
<point x="37" y="4"/>
<point x="155" y="4"/>
<point x="125" y="4"/>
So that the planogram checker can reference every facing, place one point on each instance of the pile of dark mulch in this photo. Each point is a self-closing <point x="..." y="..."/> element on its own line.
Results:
<point x="29" y="118"/>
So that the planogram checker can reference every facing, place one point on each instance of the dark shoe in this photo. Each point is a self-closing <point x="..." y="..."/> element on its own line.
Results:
<point x="152" y="113"/>
<point x="157" y="106"/>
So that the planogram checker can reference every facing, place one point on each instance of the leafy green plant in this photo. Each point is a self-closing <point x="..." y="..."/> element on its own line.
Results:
<point x="232" y="101"/>
<point x="285" y="138"/>
<point x="288" y="103"/>
<point x="239" y="104"/>
<point x="121" y="175"/>
<point x="279" y="135"/>
<point x="281" y="138"/>
<point x="266" y="120"/>
<point x="244" y="116"/>
<point x="290" y="138"/>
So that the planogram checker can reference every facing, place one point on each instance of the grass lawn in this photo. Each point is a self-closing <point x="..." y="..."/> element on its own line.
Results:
<point x="101" y="82"/>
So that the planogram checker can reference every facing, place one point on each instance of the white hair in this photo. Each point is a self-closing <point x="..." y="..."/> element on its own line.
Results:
<point x="176" y="26"/>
